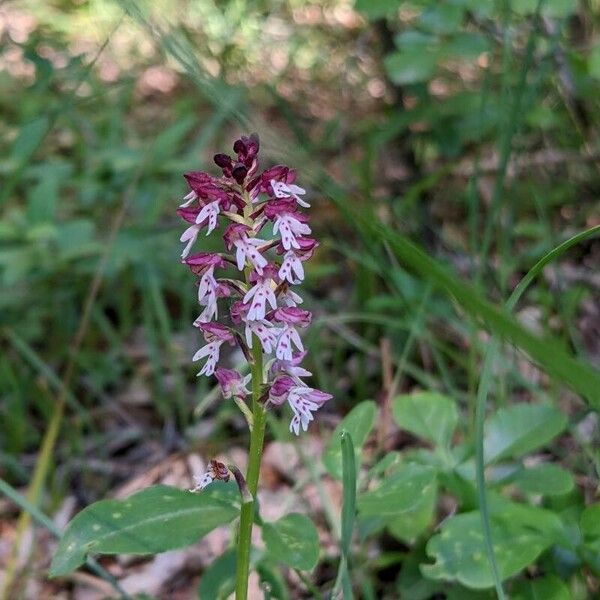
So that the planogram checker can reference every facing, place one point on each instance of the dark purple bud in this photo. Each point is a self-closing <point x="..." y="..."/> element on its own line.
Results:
<point x="239" y="173"/>
<point x="222" y="160"/>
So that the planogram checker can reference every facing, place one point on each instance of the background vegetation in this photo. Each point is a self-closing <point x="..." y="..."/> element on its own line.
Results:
<point x="447" y="148"/>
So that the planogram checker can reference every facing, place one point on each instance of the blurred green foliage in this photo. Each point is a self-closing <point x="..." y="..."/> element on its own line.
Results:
<point x="468" y="128"/>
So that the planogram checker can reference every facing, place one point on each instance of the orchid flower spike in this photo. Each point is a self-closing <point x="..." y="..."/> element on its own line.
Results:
<point x="262" y="306"/>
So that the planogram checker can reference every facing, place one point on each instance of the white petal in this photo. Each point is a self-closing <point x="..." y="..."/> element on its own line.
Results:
<point x="188" y="199"/>
<point x="204" y="351"/>
<point x="240" y="257"/>
<point x="192" y="234"/>
<point x="295" y="425"/>
<point x="250" y="293"/>
<point x="296" y="339"/>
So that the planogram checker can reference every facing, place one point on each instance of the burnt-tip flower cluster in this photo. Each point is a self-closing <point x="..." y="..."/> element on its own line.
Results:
<point x="266" y="241"/>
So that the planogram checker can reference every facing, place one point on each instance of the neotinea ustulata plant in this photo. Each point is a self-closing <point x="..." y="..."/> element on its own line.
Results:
<point x="247" y="299"/>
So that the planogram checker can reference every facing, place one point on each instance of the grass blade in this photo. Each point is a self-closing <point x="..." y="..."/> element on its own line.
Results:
<point x="348" y="515"/>
<point x="548" y="353"/>
<point x="40" y="518"/>
<point x="484" y="387"/>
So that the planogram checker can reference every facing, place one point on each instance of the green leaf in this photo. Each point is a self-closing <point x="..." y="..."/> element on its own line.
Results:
<point x="594" y="62"/>
<point x="377" y="9"/>
<point x="270" y="574"/>
<point x="428" y="415"/>
<point x="349" y="491"/>
<point x="465" y="45"/>
<point x="218" y="581"/>
<point x="403" y="492"/>
<point x="521" y="428"/>
<point x="411" y="39"/>
<point x="549" y="8"/>
<point x="442" y="17"/>
<point x="410" y="66"/>
<point x="460" y="555"/>
<point x="547" y="480"/>
<point x="410" y="525"/>
<point x="590" y="521"/>
<point x="358" y="423"/>
<point x="29" y="138"/>
<point x="293" y="541"/>
<point x="549" y="587"/>
<point x="154" y="520"/>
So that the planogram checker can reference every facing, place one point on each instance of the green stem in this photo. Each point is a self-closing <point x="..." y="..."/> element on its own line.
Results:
<point x="256" y="448"/>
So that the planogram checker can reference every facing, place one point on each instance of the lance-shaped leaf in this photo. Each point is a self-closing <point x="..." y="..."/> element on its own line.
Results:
<point x="157" y="519"/>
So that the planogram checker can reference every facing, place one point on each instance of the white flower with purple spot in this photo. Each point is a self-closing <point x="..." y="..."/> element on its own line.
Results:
<point x="264" y="331"/>
<point x="261" y="293"/>
<point x="303" y="400"/>
<point x="291" y="317"/>
<point x="284" y="190"/>
<point x="215" y="336"/>
<point x="210" y="213"/>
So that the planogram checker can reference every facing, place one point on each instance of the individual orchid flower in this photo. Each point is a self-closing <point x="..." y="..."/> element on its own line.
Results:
<point x="303" y="401"/>
<point x="290" y="367"/>
<point x="283" y="190"/>
<point x="287" y="221"/>
<point x="260" y="293"/>
<point x="216" y="471"/>
<point x="233" y="385"/>
<point x="291" y="317"/>
<point x="236" y="235"/>
<point x="215" y="336"/>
